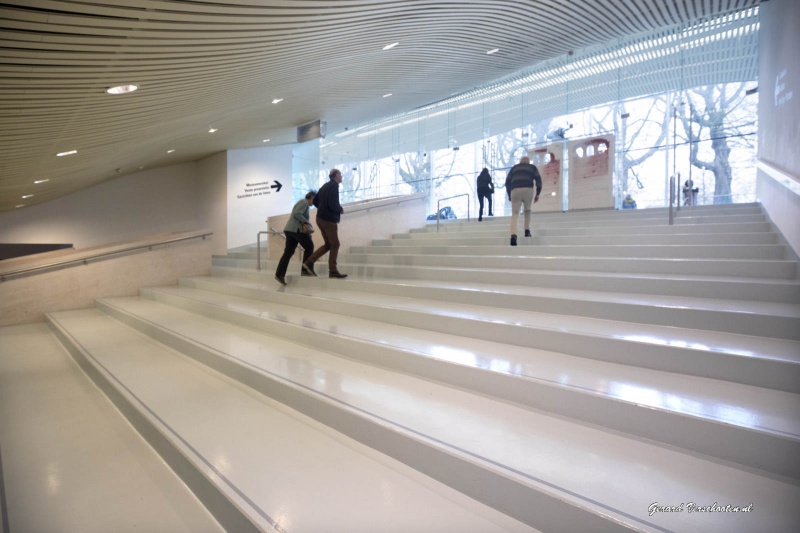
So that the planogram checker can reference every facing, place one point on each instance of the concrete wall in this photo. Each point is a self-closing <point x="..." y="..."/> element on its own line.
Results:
<point x="26" y="299"/>
<point x="362" y="222"/>
<point x="778" y="179"/>
<point x="148" y="202"/>
<point x="212" y="206"/>
<point x="779" y="193"/>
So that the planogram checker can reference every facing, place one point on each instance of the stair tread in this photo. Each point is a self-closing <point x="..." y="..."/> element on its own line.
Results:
<point x="658" y="300"/>
<point x="284" y="463"/>
<point x="733" y="344"/>
<point x="497" y="433"/>
<point x="65" y="448"/>
<point x="739" y="405"/>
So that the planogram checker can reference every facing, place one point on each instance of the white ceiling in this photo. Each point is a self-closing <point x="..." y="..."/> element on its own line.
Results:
<point x="220" y="64"/>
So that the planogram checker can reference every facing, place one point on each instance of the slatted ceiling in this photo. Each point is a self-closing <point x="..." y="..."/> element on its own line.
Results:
<point x="647" y="71"/>
<point x="220" y="63"/>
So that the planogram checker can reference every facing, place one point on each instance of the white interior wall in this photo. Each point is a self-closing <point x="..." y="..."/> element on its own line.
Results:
<point x="212" y="205"/>
<point x="779" y="193"/>
<point x="251" y="198"/>
<point x="145" y="203"/>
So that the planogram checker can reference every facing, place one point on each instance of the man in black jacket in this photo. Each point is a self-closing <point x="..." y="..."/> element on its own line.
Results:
<point x="329" y="212"/>
<point x="519" y="187"/>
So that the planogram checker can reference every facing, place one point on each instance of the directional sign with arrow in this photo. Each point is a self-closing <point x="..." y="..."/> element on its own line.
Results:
<point x="277" y="186"/>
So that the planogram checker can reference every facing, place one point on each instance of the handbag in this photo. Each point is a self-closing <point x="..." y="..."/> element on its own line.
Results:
<point x="308" y="229"/>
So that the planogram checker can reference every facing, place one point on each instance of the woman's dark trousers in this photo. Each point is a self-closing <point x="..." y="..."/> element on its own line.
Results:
<point x="292" y="240"/>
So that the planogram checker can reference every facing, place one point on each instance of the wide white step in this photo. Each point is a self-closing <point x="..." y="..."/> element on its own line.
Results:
<point x="276" y="468"/>
<point x="743" y="268"/>
<point x="69" y="461"/>
<point x="587" y="230"/>
<point x="530" y="464"/>
<point x="758" y="361"/>
<point x="730" y="288"/>
<point x="763" y="319"/>
<point x="592" y="249"/>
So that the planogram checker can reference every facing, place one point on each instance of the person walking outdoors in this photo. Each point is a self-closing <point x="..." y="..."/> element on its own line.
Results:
<point x="485" y="188"/>
<point x="329" y="213"/>
<point x="298" y="230"/>
<point x="519" y="187"/>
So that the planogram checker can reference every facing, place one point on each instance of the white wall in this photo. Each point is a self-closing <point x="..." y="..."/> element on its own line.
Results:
<point x="148" y="202"/>
<point x="212" y="205"/>
<point x="779" y="193"/>
<point x="251" y="199"/>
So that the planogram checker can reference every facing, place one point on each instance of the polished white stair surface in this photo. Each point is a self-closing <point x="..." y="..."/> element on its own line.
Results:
<point x="70" y="462"/>
<point x="610" y="366"/>
<point x="286" y="471"/>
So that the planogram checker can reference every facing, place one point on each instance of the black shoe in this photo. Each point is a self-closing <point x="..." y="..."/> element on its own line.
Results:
<point x="527" y="233"/>
<point x="491" y="214"/>
<point x="513" y="240"/>
<point x="480" y="219"/>
<point x="305" y="274"/>
<point x="308" y="270"/>
<point x="337" y="275"/>
<point x="281" y="280"/>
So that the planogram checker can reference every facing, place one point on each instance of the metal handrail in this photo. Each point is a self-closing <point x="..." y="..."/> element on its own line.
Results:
<point x="258" y="244"/>
<point x="673" y="195"/>
<point x="362" y="205"/>
<point x="439" y="203"/>
<point x="85" y="260"/>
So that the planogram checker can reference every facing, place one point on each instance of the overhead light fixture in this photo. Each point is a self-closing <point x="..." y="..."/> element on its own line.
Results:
<point x="212" y="130"/>
<point x="493" y="50"/>
<point x="265" y="141"/>
<point x="62" y="154"/>
<point x="387" y="95"/>
<point x="27" y="196"/>
<point x="122" y="89"/>
<point x="276" y="100"/>
<point x="37" y="182"/>
<point x="20" y="205"/>
<point x="390" y="46"/>
<point x="170" y="151"/>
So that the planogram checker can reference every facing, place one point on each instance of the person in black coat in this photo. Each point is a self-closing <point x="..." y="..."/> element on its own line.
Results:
<point x="329" y="213"/>
<point x="485" y="187"/>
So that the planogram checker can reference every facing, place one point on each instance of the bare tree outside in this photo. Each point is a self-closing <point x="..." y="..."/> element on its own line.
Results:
<point x="415" y="170"/>
<point x="720" y="114"/>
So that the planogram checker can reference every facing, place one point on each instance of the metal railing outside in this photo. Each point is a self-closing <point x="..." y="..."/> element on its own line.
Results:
<point x="66" y="263"/>
<point x="674" y="183"/>
<point x="439" y="208"/>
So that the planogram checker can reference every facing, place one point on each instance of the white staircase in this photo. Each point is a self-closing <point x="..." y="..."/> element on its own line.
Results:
<point x="608" y="364"/>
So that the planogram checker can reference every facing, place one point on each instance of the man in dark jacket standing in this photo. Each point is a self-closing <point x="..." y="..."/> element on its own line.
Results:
<point x="519" y="187"/>
<point x="329" y="212"/>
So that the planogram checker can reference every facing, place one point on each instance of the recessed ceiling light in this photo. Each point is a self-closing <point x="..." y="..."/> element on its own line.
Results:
<point x="387" y="95"/>
<point x="170" y="151"/>
<point x="390" y="46"/>
<point x="20" y="205"/>
<point x="122" y="89"/>
<point x="212" y="130"/>
<point x="493" y="50"/>
<point x="265" y="141"/>
<point x="62" y="154"/>
<point x="27" y="196"/>
<point x="37" y="182"/>
<point x="276" y="100"/>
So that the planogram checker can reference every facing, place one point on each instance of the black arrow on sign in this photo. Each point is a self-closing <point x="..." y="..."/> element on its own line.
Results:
<point x="276" y="186"/>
